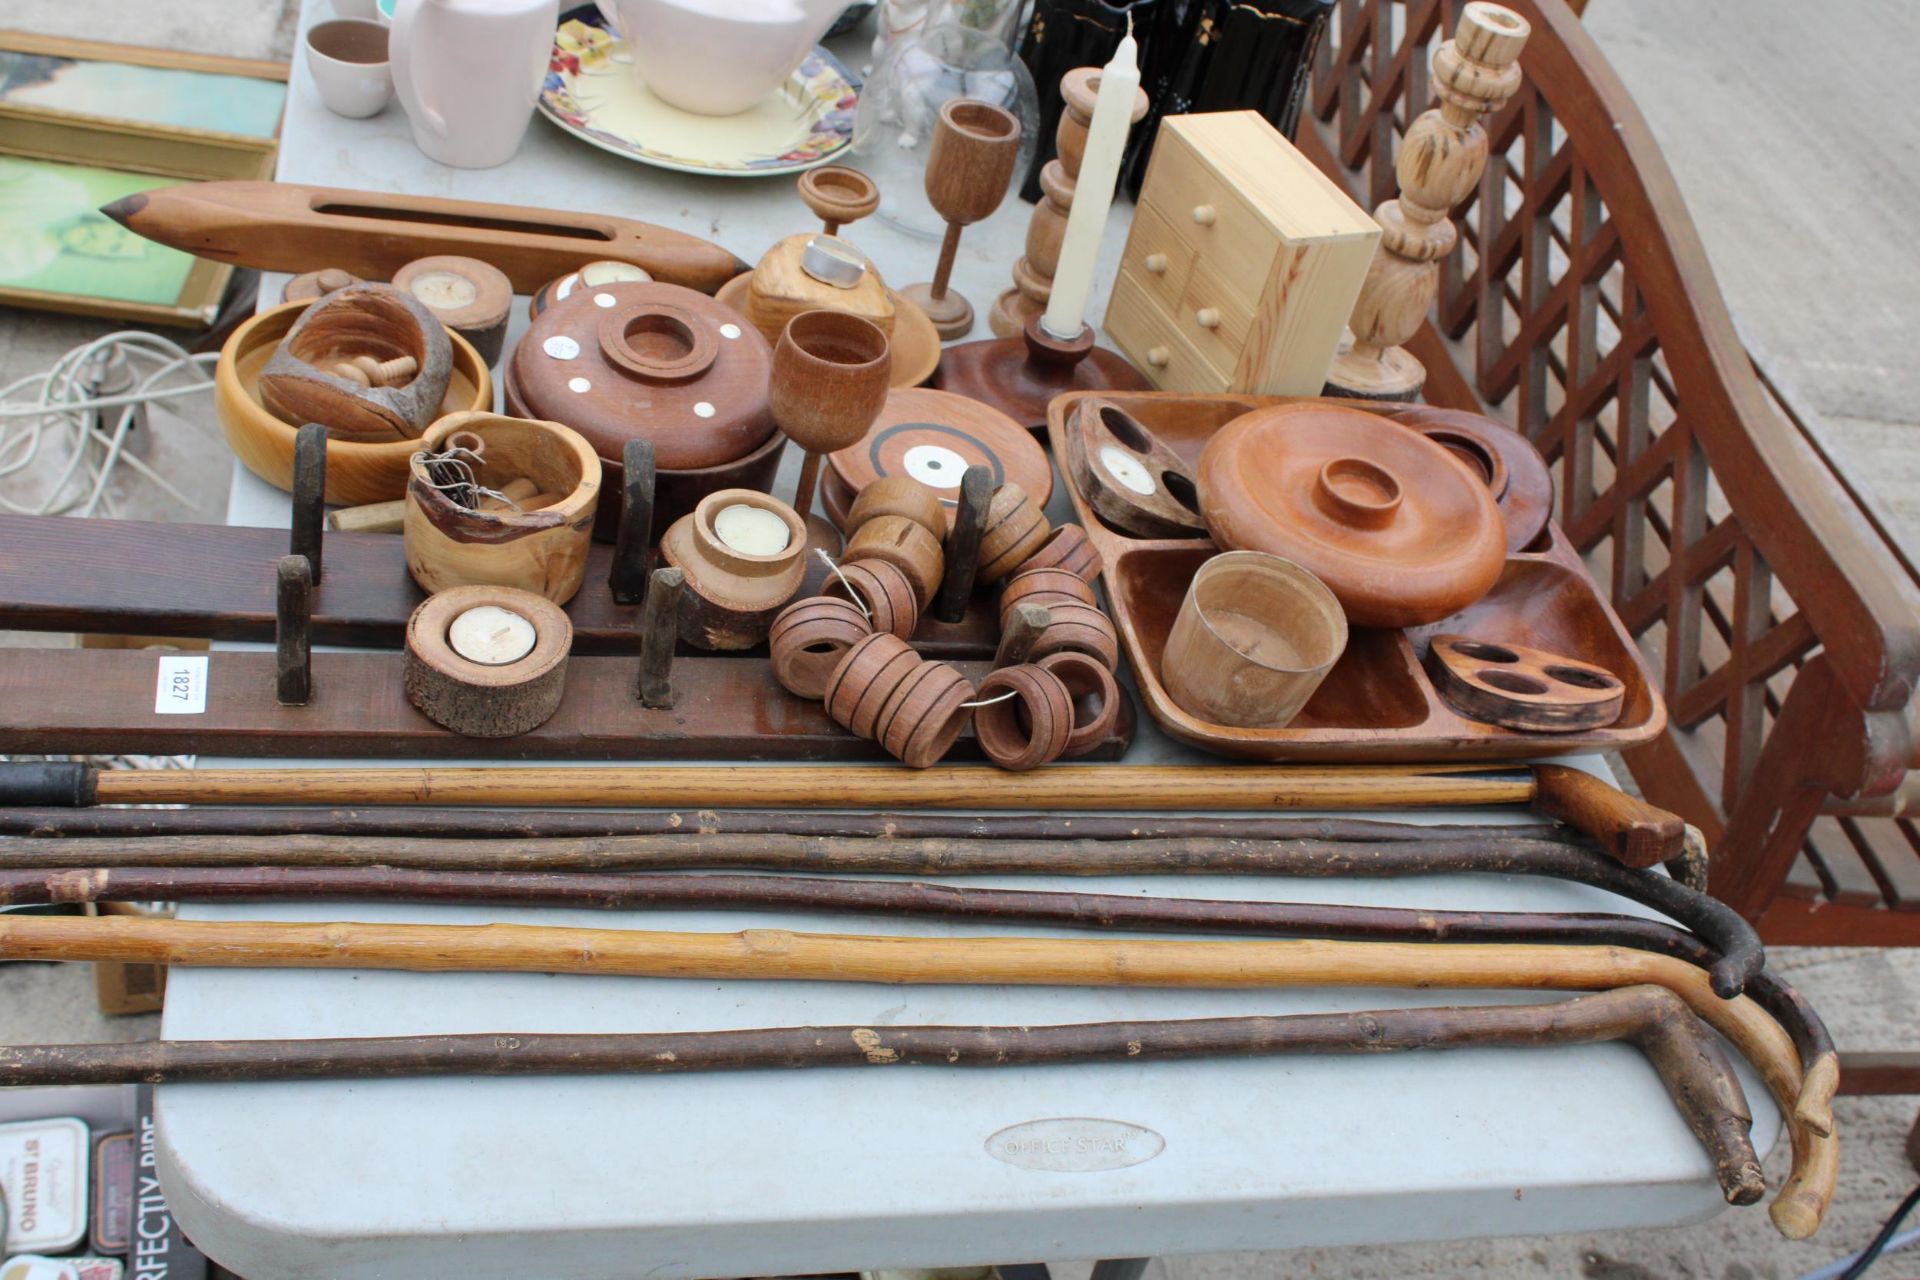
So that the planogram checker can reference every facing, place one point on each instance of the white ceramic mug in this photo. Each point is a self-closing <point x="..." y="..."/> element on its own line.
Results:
<point x="469" y="72"/>
<point x="347" y="58"/>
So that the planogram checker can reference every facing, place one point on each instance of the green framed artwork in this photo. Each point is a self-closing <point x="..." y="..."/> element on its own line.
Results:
<point x="71" y="141"/>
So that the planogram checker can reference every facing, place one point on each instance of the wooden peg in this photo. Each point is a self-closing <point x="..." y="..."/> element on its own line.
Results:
<point x="627" y="579"/>
<point x="659" y="628"/>
<point x="1019" y="632"/>
<point x="838" y="195"/>
<point x="969" y="165"/>
<point x="963" y="543"/>
<point x="373" y="517"/>
<point x="1441" y="160"/>
<point x="309" y="494"/>
<point x="293" y="632"/>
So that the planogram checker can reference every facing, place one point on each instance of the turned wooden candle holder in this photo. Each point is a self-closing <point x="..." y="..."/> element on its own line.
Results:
<point x="838" y="195"/>
<point x="831" y="373"/>
<point x="1015" y="529"/>
<point x="541" y="547"/>
<point x="1096" y="698"/>
<point x="469" y="296"/>
<point x="969" y="164"/>
<point x="1068" y="548"/>
<point x="1046" y="588"/>
<point x="737" y="578"/>
<point x="1132" y="479"/>
<point x="1254" y="638"/>
<point x="1029" y="729"/>
<point x="924" y="714"/>
<point x="866" y="677"/>
<point x="882" y="589"/>
<point x="302" y="382"/>
<point x="1079" y="628"/>
<point x="808" y="639"/>
<point x="1517" y="686"/>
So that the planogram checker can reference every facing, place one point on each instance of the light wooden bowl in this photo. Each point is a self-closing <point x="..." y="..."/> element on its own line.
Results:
<point x="357" y="472"/>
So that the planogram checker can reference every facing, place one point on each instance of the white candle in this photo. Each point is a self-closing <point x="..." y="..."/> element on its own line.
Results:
<point x="751" y="530"/>
<point x="491" y="636"/>
<point x="1093" y="191"/>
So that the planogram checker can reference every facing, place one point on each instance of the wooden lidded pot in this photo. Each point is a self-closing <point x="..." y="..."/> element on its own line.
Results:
<point x="743" y="553"/>
<point x="1398" y="528"/>
<point x="656" y="362"/>
<point x="540" y="548"/>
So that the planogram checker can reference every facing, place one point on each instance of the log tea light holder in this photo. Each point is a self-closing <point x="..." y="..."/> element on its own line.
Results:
<point x="831" y="372"/>
<point x="1254" y="638"/>
<point x="743" y="554"/>
<point x="969" y="164"/>
<point x="487" y="662"/>
<point x="469" y="296"/>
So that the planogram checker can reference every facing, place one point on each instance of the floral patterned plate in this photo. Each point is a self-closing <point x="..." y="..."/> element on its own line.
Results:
<point x="592" y="93"/>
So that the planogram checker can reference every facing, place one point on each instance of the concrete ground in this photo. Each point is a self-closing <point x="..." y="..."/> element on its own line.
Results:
<point x="1782" y="123"/>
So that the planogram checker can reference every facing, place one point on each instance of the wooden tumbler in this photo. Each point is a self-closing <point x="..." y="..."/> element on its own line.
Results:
<point x="1069" y="548"/>
<point x="1096" y="697"/>
<point x="882" y="590"/>
<point x="866" y="678"/>
<point x="969" y="165"/>
<point x="1254" y="638"/>
<point x="831" y="372"/>
<point x="924" y="714"/>
<point x="1015" y="529"/>
<point x="1029" y="729"/>
<point x="808" y="640"/>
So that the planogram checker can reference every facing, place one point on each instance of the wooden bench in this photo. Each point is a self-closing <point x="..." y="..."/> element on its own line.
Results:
<point x="1579" y="307"/>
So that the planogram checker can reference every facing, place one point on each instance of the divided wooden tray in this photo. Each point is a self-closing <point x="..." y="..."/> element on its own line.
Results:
<point x="1378" y="703"/>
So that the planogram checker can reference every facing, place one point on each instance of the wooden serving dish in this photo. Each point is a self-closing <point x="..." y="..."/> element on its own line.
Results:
<point x="358" y="472"/>
<point x="1378" y="702"/>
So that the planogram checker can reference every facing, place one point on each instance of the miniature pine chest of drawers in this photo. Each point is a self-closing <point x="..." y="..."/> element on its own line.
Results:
<point x="1243" y="263"/>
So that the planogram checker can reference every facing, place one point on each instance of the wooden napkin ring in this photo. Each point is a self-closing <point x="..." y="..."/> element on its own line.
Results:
<point x="1517" y="687"/>
<point x="908" y="547"/>
<point x="1069" y="548"/>
<point x="925" y="714"/>
<point x="486" y="699"/>
<point x="809" y="638"/>
<point x="898" y="496"/>
<point x="1080" y="628"/>
<point x="1044" y="587"/>
<point x="883" y="589"/>
<point x="1015" y="528"/>
<point x="1096" y="698"/>
<point x="865" y="678"/>
<point x="1029" y="729"/>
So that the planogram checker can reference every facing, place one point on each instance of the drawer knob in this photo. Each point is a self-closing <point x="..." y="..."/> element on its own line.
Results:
<point x="1205" y="214"/>
<point x="1207" y="318"/>
<point x="1159" y="357"/>
<point x="1157" y="263"/>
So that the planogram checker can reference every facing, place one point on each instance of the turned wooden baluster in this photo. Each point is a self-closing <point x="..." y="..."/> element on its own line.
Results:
<point x="1441" y="160"/>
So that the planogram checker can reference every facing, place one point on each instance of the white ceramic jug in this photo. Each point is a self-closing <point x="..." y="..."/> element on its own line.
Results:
<point x="468" y="73"/>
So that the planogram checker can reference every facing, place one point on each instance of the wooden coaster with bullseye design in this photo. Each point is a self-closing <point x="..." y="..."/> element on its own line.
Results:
<point x="1519" y="687"/>
<point x="1131" y="479"/>
<point x="933" y="437"/>
<point x="487" y="662"/>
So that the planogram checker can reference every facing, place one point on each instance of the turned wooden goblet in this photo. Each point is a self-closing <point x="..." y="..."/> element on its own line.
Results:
<point x="969" y="166"/>
<point x="831" y="371"/>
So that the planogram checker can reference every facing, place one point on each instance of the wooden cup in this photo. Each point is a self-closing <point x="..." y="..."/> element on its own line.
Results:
<point x="831" y="373"/>
<point x="969" y="164"/>
<point x="542" y="550"/>
<point x="1254" y="638"/>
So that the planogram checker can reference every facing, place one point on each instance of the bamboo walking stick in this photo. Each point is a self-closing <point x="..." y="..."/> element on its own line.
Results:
<point x="772" y="954"/>
<point x="1690" y="1062"/>
<point x="1633" y="831"/>
<point x="1740" y="959"/>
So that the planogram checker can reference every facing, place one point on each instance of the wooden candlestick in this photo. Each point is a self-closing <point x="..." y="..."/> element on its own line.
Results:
<point x="969" y="165"/>
<point x="1033" y="273"/>
<point x="1441" y="160"/>
<point x="831" y="371"/>
<point x="838" y="195"/>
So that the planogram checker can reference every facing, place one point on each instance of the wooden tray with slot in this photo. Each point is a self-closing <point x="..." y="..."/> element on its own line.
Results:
<point x="1378" y="703"/>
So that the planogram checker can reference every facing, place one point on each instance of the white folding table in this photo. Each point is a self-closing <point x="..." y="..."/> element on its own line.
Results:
<point x="776" y="1172"/>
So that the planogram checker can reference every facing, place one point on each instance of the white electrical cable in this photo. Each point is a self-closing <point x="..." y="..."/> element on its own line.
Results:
<point x="64" y="402"/>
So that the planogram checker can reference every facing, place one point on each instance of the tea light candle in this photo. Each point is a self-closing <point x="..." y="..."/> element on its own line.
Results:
<point x="1093" y="191"/>
<point x="491" y="636"/>
<point x="751" y="530"/>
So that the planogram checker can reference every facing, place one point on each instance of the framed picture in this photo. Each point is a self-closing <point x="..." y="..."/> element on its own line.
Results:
<point x="83" y="124"/>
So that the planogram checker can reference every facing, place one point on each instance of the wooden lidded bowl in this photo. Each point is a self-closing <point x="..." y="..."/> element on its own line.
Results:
<point x="357" y="472"/>
<point x="543" y="549"/>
